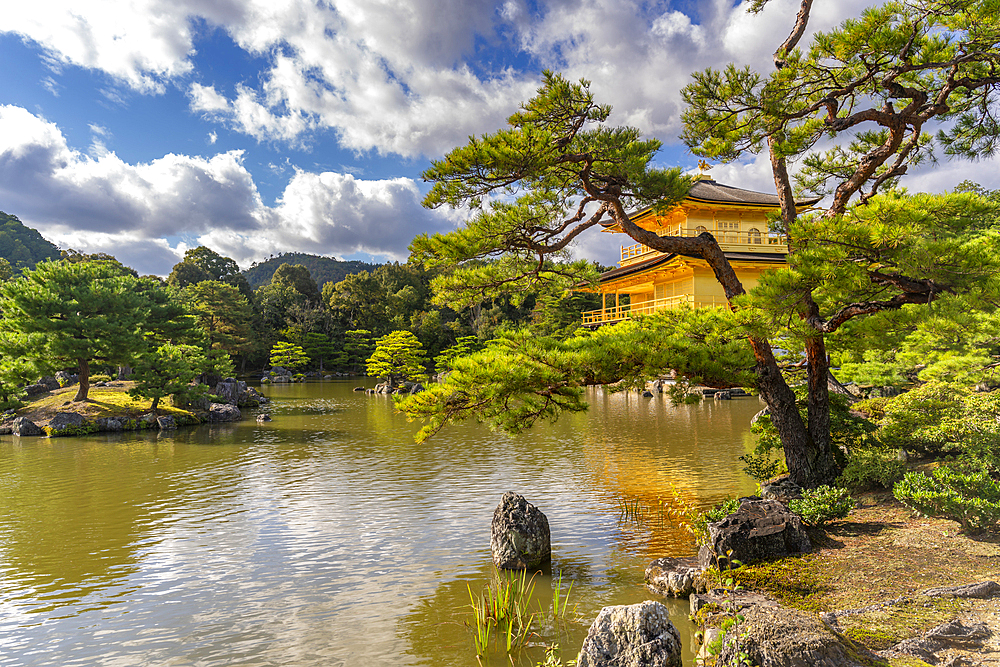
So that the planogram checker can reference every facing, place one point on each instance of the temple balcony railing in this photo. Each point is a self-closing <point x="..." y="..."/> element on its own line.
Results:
<point x="618" y="313"/>
<point x="729" y="241"/>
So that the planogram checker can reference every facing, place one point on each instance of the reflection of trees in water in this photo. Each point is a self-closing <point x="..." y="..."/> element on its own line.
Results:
<point x="72" y="521"/>
<point x="656" y="458"/>
<point x="435" y="630"/>
<point x="77" y="511"/>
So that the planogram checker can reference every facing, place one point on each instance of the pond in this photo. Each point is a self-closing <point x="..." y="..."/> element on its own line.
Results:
<point x="329" y="537"/>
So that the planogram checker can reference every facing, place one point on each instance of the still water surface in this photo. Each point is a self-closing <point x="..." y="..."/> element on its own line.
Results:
<point x="328" y="537"/>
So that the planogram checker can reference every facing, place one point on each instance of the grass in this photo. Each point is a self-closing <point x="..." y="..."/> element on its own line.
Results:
<point x="500" y="612"/>
<point x="505" y="613"/>
<point x="101" y="402"/>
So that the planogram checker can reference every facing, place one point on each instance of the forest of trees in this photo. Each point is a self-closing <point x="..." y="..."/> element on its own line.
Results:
<point x="882" y="285"/>
<point x="88" y="313"/>
<point x="322" y="269"/>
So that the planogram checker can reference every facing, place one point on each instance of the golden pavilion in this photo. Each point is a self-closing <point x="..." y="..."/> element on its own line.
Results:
<point x="648" y="280"/>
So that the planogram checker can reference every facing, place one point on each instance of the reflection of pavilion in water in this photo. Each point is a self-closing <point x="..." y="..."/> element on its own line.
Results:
<point x="647" y="280"/>
<point x="648" y="450"/>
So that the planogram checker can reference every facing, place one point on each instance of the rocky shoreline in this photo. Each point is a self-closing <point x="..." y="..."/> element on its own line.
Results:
<point x="953" y="623"/>
<point x="74" y="419"/>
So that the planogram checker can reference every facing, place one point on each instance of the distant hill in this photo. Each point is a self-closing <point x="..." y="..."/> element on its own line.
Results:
<point x="23" y="246"/>
<point x="322" y="269"/>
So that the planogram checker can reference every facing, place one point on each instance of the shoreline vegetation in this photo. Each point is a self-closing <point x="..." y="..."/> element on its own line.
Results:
<point x="867" y="574"/>
<point x="109" y="408"/>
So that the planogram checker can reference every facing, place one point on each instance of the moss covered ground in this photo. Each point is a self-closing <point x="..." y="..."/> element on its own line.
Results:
<point x="882" y="557"/>
<point x="111" y="401"/>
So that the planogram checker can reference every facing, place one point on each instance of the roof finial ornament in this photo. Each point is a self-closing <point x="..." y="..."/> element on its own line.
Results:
<point x="703" y="168"/>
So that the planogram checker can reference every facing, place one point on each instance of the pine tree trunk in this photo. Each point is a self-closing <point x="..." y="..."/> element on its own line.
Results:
<point x="819" y="409"/>
<point x="809" y="464"/>
<point x="83" y="366"/>
<point x="801" y="454"/>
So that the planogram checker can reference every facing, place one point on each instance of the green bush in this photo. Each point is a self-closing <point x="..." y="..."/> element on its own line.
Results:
<point x="822" y="504"/>
<point x="961" y="490"/>
<point x="11" y="404"/>
<point x="761" y="467"/>
<point x="699" y="520"/>
<point x="943" y="418"/>
<point x="868" y="469"/>
<point x="100" y="377"/>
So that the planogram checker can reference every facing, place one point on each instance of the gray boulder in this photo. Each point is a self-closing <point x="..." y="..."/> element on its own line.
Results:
<point x="108" y="424"/>
<point x="520" y="536"/>
<point x="676" y="577"/>
<point x="780" y="637"/>
<point x="638" y="635"/>
<point x="66" y="423"/>
<point x="723" y="396"/>
<point x="953" y="635"/>
<point x="263" y="417"/>
<point x="147" y="420"/>
<point x="223" y="412"/>
<point x="35" y="389"/>
<point x="24" y="426"/>
<point x="982" y="590"/>
<point x="758" y="530"/>
<point x="782" y="490"/>
<point x="50" y="382"/>
<point x="166" y="422"/>
<point x="65" y="379"/>
<point x="229" y="390"/>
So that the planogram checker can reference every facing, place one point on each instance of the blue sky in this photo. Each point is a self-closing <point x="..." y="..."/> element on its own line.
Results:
<point x="148" y="127"/>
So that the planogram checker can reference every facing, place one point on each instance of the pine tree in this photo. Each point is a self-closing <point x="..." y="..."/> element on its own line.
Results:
<point x="72" y="313"/>
<point x="288" y="355"/>
<point x="398" y="356"/>
<point x="872" y="86"/>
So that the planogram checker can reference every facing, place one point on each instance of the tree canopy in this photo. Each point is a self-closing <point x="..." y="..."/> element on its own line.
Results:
<point x="871" y="87"/>
<point x="72" y="313"/>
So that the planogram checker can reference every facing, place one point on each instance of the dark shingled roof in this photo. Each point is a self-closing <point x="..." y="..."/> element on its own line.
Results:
<point x="653" y="262"/>
<point x="707" y="191"/>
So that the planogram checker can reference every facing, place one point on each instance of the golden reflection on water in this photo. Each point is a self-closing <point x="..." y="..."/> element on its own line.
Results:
<point x="328" y="536"/>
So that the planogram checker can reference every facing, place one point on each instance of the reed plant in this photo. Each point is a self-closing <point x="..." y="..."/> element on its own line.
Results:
<point x="505" y="613"/>
<point x="560" y="600"/>
<point x="501" y="614"/>
<point x="634" y="510"/>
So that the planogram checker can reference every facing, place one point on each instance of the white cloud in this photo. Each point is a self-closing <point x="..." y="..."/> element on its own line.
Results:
<point x="206" y="99"/>
<point x="392" y="75"/>
<point x="141" y="42"/>
<point x="105" y="204"/>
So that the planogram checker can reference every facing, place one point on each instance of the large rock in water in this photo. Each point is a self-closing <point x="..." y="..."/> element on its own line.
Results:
<point x="758" y="530"/>
<point x="235" y="392"/>
<point x="24" y="426"/>
<point x="520" y="536"/>
<point x="638" y="635"/>
<point x="223" y="412"/>
<point x="676" y="577"/>
<point x="66" y="423"/>
<point x="780" y="637"/>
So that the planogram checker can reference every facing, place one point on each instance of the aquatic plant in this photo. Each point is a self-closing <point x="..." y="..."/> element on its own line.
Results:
<point x="501" y="611"/>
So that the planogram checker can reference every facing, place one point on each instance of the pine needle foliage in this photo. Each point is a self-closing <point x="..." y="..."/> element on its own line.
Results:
<point x="521" y="378"/>
<point x="556" y="171"/>
<point x="398" y="356"/>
